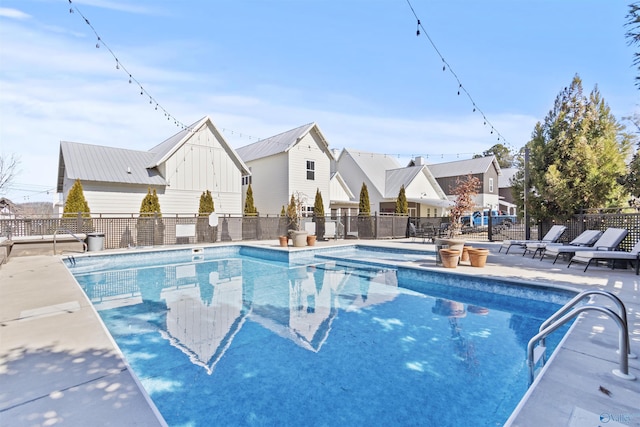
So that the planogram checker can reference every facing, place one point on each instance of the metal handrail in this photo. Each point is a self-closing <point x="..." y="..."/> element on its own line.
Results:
<point x="623" y="341"/>
<point x="84" y="245"/>
<point x="569" y="305"/>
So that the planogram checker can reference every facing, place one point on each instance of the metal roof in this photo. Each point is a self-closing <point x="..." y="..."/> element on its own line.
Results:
<point x="396" y="178"/>
<point x="464" y="167"/>
<point x="116" y="165"/>
<point x="504" y="180"/>
<point x="274" y="145"/>
<point x="105" y="164"/>
<point x="374" y="165"/>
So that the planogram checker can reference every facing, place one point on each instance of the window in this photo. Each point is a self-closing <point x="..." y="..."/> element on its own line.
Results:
<point x="311" y="170"/>
<point x="490" y="185"/>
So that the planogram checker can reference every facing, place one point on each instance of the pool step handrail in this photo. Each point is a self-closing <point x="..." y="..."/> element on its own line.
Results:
<point x="623" y="341"/>
<point x="69" y="232"/>
<point x="575" y="300"/>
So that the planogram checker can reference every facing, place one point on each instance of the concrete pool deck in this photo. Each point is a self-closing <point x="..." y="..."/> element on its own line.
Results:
<point x="59" y="366"/>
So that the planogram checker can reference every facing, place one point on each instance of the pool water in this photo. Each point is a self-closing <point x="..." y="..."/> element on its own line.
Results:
<point x="233" y="339"/>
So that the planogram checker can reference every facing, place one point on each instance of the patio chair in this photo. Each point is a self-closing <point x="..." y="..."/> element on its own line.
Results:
<point x="586" y="238"/>
<point x="609" y="241"/>
<point x="552" y="236"/>
<point x="587" y="257"/>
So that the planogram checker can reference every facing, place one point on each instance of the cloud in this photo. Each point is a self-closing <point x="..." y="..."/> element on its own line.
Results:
<point x="6" y="12"/>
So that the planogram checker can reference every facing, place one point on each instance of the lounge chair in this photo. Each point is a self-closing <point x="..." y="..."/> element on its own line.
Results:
<point x="587" y="257"/>
<point x="609" y="241"/>
<point x="586" y="238"/>
<point x="552" y="236"/>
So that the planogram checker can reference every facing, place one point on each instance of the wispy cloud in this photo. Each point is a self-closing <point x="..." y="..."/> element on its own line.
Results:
<point x="13" y="14"/>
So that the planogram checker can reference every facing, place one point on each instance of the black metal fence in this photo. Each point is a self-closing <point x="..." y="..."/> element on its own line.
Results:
<point x="131" y="230"/>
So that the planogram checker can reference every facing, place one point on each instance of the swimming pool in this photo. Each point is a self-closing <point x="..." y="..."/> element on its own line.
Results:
<point x="249" y="336"/>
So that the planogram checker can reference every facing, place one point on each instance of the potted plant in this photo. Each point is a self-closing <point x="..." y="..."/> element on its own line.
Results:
<point x="465" y="191"/>
<point x="294" y="214"/>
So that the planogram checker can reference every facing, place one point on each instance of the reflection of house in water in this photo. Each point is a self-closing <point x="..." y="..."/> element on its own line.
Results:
<point x="205" y="304"/>
<point x="205" y="311"/>
<point x="304" y="311"/>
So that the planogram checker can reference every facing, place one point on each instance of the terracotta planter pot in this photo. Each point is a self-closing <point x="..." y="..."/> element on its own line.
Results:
<point x="284" y="241"/>
<point x="465" y="253"/>
<point x="478" y="257"/>
<point x="449" y="257"/>
<point x="311" y="240"/>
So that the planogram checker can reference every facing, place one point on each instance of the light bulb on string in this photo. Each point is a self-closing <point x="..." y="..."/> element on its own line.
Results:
<point x="129" y="78"/>
<point x="117" y="65"/>
<point x="418" y="29"/>
<point x="70" y="10"/>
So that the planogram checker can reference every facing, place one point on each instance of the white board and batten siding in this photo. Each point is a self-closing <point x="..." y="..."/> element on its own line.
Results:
<point x="198" y="165"/>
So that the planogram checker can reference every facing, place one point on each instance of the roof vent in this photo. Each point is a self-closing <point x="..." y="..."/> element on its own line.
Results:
<point x="128" y="169"/>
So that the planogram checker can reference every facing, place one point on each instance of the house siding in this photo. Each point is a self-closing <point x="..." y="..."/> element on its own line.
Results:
<point x="269" y="178"/>
<point x="354" y="177"/>
<point x="308" y="148"/>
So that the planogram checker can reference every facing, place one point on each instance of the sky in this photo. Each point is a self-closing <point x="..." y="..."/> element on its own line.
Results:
<point x="258" y="68"/>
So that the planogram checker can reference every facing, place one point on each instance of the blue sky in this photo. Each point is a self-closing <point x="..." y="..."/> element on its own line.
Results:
<point x="259" y="68"/>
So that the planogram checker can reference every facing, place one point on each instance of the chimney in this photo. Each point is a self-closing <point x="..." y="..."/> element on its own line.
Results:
<point x="419" y="161"/>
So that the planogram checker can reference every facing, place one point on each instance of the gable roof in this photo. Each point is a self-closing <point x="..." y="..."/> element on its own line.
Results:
<point x="396" y="178"/>
<point x="374" y="166"/>
<point x="280" y="143"/>
<point x="118" y="165"/>
<point x="168" y="147"/>
<point x="105" y="164"/>
<point x="464" y="167"/>
<point x="504" y="180"/>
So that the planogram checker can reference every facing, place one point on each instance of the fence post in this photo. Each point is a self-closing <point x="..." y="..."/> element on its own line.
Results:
<point x="78" y="223"/>
<point x="490" y="226"/>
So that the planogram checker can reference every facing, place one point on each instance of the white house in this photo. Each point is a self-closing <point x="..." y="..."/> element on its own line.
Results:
<point x="294" y="162"/>
<point x="384" y="176"/>
<point x="180" y="169"/>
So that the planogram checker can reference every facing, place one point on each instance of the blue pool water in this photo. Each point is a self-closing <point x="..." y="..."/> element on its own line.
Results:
<point x="241" y="336"/>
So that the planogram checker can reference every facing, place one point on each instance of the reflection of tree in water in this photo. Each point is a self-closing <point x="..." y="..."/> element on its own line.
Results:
<point x="463" y="348"/>
<point x="205" y="286"/>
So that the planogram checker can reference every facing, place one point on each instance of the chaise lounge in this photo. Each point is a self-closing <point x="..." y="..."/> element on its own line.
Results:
<point x="552" y="236"/>
<point x="609" y="241"/>
<point x="586" y="238"/>
<point x="587" y="257"/>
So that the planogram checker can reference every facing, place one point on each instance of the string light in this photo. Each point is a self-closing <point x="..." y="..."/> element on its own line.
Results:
<point x="121" y="66"/>
<point x="446" y="66"/>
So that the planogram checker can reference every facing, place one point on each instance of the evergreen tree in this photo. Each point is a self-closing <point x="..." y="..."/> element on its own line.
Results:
<point x="292" y="213"/>
<point x="503" y="155"/>
<point x="249" y="208"/>
<point x="318" y="206"/>
<point x="76" y="202"/>
<point x="150" y="205"/>
<point x="633" y="35"/>
<point x="402" y="206"/>
<point x="206" y="204"/>
<point x="576" y="157"/>
<point x="364" y="207"/>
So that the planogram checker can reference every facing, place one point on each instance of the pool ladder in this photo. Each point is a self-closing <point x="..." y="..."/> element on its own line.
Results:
<point x="536" y="349"/>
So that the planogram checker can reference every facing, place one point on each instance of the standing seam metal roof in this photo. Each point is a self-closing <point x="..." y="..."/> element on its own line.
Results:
<point x="273" y="145"/>
<point x="463" y="167"/>
<point x="106" y="164"/>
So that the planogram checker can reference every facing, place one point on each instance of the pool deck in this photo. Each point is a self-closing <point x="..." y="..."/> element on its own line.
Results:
<point x="59" y="365"/>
